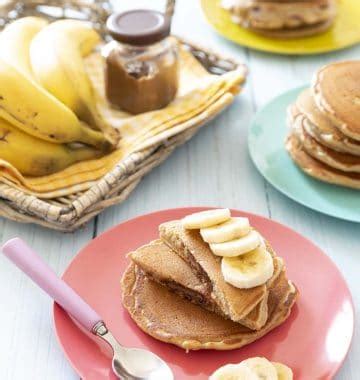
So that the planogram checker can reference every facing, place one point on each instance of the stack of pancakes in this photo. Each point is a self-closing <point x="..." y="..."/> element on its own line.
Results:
<point x="283" y="18"/>
<point x="324" y="139"/>
<point x="174" y="291"/>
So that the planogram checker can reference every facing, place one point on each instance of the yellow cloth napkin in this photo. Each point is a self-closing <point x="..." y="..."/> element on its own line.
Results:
<point x="201" y="95"/>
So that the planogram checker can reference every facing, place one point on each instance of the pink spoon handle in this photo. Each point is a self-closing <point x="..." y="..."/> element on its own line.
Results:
<point x="31" y="264"/>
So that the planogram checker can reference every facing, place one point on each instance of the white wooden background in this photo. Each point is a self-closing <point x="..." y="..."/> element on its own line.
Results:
<point x="213" y="169"/>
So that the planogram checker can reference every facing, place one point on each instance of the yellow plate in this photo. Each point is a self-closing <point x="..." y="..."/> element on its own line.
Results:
<point x="345" y="32"/>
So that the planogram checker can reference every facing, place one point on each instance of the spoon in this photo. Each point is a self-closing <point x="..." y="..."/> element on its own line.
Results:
<point x="127" y="363"/>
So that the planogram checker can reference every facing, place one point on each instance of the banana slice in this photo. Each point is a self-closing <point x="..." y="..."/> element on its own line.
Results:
<point x="262" y="368"/>
<point x="234" y="372"/>
<point x="229" y="230"/>
<point x="283" y="371"/>
<point x="206" y="219"/>
<point x="249" y="270"/>
<point x="237" y="247"/>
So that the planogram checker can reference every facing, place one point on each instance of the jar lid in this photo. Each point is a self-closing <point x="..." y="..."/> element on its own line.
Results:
<point x="138" y="27"/>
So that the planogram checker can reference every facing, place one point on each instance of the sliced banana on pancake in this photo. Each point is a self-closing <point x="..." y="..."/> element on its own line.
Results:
<point x="206" y="219"/>
<point x="233" y="228"/>
<point x="249" y="270"/>
<point x="262" y="367"/>
<point x="234" y="372"/>
<point x="283" y="371"/>
<point x="238" y="246"/>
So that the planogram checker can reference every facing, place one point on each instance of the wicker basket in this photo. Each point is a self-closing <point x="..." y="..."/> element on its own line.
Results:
<point x="70" y="212"/>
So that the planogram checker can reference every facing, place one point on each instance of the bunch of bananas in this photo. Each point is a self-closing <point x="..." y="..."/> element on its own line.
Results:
<point x="48" y="115"/>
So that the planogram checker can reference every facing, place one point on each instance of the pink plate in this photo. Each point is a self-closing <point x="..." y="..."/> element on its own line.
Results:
<point x="313" y="341"/>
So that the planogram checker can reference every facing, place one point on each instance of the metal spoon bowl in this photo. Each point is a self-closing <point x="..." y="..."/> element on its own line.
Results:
<point x="134" y="363"/>
<point x="140" y="364"/>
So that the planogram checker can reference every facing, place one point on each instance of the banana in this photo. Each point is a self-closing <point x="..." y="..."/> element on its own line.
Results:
<point x="234" y="372"/>
<point x="253" y="369"/>
<point x="232" y="229"/>
<point x="283" y="371"/>
<point x="262" y="368"/>
<point x="35" y="157"/>
<point x="238" y="246"/>
<point x="29" y="107"/>
<point x="15" y="42"/>
<point x="206" y="219"/>
<point x="56" y="58"/>
<point x="249" y="270"/>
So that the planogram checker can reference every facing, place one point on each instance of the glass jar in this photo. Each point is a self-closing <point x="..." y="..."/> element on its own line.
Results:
<point x="141" y="72"/>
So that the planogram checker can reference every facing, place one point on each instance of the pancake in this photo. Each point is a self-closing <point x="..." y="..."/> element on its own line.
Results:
<point x="161" y="264"/>
<point x="321" y="128"/>
<point x="189" y="245"/>
<point x="341" y="161"/>
<point x="317" y="169"/>
<point x="336" y="91"/>
<point x="283" y="18"/>
<point x="305" y="31"/>
<point x="172" y="319"/>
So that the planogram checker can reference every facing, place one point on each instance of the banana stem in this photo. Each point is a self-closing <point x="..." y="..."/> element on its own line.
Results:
<point x="95" y="138"/>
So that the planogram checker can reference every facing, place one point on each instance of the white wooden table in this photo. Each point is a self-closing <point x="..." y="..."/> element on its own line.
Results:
<point x="213" y="169"/>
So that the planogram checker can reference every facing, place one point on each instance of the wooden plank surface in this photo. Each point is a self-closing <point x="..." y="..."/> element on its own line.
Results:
<point x="213" y="169"/>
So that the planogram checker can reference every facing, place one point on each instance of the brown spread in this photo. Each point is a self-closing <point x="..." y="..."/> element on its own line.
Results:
<point x="142" y="85"/>
<point x="141" y="70"/>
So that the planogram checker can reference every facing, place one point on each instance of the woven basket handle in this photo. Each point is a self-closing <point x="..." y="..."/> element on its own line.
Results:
<point x="170" y="8"/>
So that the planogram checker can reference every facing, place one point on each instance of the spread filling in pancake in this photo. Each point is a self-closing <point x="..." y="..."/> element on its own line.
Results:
<point x="163" y="265"/>
<point x="170" y="318"/>
<point x="235" y="303"/>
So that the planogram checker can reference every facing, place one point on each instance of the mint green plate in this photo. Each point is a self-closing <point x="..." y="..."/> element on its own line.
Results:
<point x="266" y="145"/>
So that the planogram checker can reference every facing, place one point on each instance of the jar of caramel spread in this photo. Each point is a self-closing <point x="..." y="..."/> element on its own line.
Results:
<point x="141" y="72"/>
